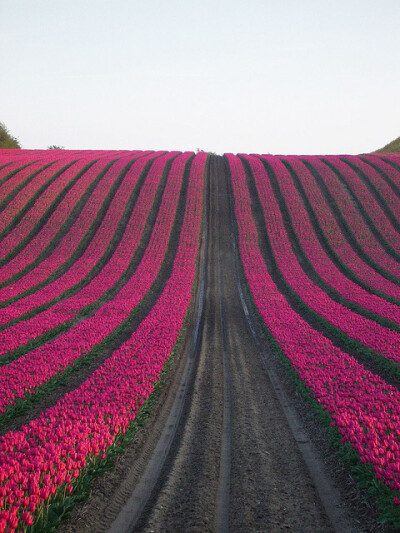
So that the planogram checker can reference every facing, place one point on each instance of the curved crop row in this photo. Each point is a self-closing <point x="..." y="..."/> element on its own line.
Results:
<point x="357" y="232"/>
<point x="17" y="179"/>
<point x="369" y="203"/>
<point x="110" y="310"/>
<point x="313" y="255"/>
<point x="31" y="201"/>
<point x="11" y="168"/>
<point x="40" y="223"/>
<point x="364" y="408"/>
<point x="337" y="234"/>
<point x="387" y="174"/>
<point x="46" y="459"/>
<point x="18" y="240"/>
<point x="380" y="185"/>
<point x="34" y="255"/>
<point x="80" y="251"/>
<point x="304" y="293"/>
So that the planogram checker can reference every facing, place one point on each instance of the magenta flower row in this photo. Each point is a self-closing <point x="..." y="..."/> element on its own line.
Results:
<point x="31" y="370"/>
<point x="368" y="332"/>
<point x="33" y="216"/>
<point x="364" y="235"/>
<point x="333" y="232"/>
<point x="364" y="408"/>
<point x="370" y="204"/>
<point x="314" y="251"/>
<point x="46" y="456"/>
<point x="67" y="246"/>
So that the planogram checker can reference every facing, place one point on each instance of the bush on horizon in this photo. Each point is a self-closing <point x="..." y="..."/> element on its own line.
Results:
<point x="7" y="141"/>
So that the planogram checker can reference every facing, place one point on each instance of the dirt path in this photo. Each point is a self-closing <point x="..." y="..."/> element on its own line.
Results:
<point x="235" y="463"/>
<point x="236" y="466"/>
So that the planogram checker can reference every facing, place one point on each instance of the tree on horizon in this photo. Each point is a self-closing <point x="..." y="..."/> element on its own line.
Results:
<point x="7" y="141"/>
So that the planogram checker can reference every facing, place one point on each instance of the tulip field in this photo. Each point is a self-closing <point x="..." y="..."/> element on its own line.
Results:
<point x="319" y="248"/>
<point x="106" y="254"/>
<point x="99" y="254"/>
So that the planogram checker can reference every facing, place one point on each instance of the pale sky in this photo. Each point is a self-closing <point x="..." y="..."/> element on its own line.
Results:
<point x="276" y="76"/>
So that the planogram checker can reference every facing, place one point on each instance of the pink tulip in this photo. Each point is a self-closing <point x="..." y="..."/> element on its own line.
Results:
<point x="54" y="448"/>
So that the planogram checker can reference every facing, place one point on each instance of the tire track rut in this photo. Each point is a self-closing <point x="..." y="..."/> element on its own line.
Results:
<point x="234" y="464"/>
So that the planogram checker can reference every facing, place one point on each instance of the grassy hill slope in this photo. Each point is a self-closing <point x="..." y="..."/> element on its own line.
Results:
<point x="393" y="146"/>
